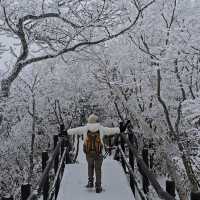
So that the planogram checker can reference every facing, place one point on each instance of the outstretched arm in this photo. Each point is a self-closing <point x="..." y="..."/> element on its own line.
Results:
<point x="116" y="130"/>
<point x="76" y="131"/>
<point x="123" y="126"/>
<point x="110" y="131"/>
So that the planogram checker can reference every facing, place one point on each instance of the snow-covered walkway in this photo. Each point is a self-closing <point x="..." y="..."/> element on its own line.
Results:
<point x="114" y="182"/>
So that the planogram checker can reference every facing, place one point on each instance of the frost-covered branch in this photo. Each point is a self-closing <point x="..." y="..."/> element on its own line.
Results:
<point x="22" y="60"/>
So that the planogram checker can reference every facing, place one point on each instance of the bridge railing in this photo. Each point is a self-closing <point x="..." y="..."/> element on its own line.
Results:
<point x="147" y="174"/>
<point x="47" y="187"/>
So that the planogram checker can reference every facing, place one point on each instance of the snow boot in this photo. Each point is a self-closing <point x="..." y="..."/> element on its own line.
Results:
<point x="98" y="189"/>
<point x="90" y="184"/>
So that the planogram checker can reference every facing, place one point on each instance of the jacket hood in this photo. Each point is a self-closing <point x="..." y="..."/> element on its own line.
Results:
<point x="93" y="127"/>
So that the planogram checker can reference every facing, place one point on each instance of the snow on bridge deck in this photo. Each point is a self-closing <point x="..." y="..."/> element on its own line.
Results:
<point x="114" y="182"/>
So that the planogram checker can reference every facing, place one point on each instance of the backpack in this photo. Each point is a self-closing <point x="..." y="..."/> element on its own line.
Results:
<point x="93" y="143"/>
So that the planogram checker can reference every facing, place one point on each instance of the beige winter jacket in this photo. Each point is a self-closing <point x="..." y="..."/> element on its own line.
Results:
<point x="93" y="127"/>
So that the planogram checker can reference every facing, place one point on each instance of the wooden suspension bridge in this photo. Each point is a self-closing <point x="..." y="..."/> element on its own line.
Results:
<point x="57" y="181"/>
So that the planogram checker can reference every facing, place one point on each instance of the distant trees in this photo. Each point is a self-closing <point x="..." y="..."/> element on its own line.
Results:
<point x="51" y="29"/>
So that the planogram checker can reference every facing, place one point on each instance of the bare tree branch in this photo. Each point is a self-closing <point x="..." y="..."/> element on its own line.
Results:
<point x="7" y="21"/>
<point x="22" y="60"/>
<point x="163" y="103"/>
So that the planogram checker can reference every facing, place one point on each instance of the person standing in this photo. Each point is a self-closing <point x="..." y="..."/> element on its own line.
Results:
<point x="93" y="133"/>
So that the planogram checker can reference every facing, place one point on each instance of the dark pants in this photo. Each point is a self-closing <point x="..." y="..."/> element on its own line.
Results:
<point x="94" y="163"/>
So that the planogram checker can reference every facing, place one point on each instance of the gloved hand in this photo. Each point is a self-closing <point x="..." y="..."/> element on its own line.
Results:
<point x="127" y="123"/>
<point x="123" y="126"/>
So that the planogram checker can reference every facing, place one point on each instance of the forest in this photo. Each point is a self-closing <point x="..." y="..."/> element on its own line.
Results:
<point x="137" y="60"/>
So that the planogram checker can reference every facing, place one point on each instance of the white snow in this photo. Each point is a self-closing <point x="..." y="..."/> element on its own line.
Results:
<point x="114" y="182"/>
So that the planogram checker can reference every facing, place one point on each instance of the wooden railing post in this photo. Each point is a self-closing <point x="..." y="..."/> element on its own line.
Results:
<point x="151" y="156"/>
<point x="116" y="143"/>
<point x="151" y="160"/>
<point x="63" y="145"/>
<point x="109" y="144"/>
<point x="45" y="158"/>
<point x="145" y="179"/>
<point x="195" y="195"/>
<point x="67" y="157"/>
<point x="56" y="162"/>
<point x="55" y="140"/>
<point x="123" y="148"/>
<point x="25" y="191"/>
<point x="170" y="187"/>
<point x="62" y="129"/>
<point x="131" y="162"/>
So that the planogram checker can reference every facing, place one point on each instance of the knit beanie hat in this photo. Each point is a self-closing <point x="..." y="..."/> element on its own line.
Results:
<point x="92" y="118"/>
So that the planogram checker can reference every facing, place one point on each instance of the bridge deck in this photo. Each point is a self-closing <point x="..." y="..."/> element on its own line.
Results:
<point x="114" y="182"/>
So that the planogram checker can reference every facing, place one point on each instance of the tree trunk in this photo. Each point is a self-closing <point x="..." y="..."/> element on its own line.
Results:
<point x="175" y="136"/>
<point x="32" y="142"/>
<point x="180" y="186"/>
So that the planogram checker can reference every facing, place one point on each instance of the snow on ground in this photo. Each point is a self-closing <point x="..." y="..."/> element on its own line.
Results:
<point x="114" y="182"/>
